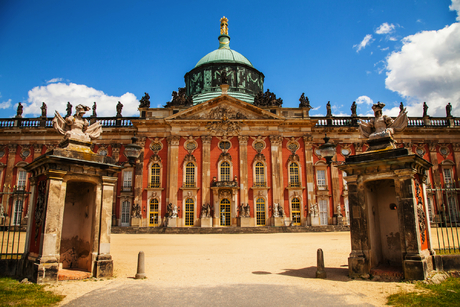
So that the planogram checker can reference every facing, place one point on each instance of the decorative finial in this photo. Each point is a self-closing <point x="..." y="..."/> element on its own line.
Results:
<point x="224" y="26"/>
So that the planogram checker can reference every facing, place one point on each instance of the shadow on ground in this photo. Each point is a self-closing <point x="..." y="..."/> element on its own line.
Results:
<point x="336" y="274"/>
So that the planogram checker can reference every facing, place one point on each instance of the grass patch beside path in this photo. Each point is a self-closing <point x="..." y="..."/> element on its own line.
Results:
<point x="446" y="293"/>
<point x="13" y="293"/>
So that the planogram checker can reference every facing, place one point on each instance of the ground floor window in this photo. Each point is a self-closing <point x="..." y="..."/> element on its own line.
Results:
<point x="323" y="211"/>
<point x="225" y="212"/>
<point x="295" y="211"/>
<point x="153" y="213"/>
<point x="260" y="212"/>
<point x="17" y="213"/>
<point x="189" y="212"/>
<point x="125" y="208"/>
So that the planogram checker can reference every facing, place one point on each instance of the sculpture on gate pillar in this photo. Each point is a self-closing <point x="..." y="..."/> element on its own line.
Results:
<point x="76" y="127"/>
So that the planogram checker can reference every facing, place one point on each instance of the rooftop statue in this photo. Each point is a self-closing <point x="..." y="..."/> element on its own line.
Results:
<point x="76" y="127"/>
<point x="382" y="125"/>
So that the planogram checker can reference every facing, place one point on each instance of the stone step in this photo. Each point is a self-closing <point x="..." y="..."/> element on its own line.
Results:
<point x="228" y="230"/>
<point x="65" y="274"/>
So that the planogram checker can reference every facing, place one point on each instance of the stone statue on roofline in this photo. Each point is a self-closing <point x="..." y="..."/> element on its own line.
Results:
<point x="76" y="127"/>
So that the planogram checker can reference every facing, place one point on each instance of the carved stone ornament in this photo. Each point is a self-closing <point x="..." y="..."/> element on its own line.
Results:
<point x="225" y="156"/>
<point x="314" y="210"/>
<point x="76" y="127"/>
<point x="12" y="148"/>
<point x="206" y="139"/>
<point x="173" y="140"/>
<point x="444" y="151"/>
<point x="293" y="145"/>
<point x="156" y="145"/>
<point x="259" y="143"/>
<point x="267" y="99"/>
<point x="180" y="99"/>
<point x="420" y="212"/>
<point x="294" y="158"/>
<point x="432" y="146"/>
<point x="155" y="158"/>
<point x="102" y="150"/>
<point x="226" y="113"/>
<point x="2" y="151"/>
<point x="259" y="158"/>
<point x="420" y="150"/>
<point x="40" y="207"/>
<point x="115" y="148"/>
<point x="190" y="144"/>
<point x="38" y="148"/>
<point x="243" y="140"/>
<point x="381" y="125"/>
<point x="276" y="140"/>
<point x="358" y="147"/>
<point x="189" y="158"/>
<point x="25" y="152"/>
<point x="224" y="127"/>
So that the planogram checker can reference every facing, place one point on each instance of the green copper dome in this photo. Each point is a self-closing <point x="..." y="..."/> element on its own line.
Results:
<point x="203" y="81"/>
<point x="224" y="54"/>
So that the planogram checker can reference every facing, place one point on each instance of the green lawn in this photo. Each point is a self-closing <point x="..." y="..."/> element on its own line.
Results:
<point x="13" y="293"/>
<point x="445" y="294"/>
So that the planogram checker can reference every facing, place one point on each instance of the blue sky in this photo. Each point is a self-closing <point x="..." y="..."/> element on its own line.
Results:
<point x="338" y="51"/>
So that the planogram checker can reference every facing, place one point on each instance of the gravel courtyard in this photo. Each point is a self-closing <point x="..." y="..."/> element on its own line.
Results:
<point x="189" y="261"/>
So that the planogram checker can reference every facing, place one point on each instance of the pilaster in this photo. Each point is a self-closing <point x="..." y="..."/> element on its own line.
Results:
<point x="243" y="150"/>
<point x="138" y="182"/>
<point x="9" y="173"/>
<point x="173" y="169"/>
<point x="311" y="195"/>
<point x="206" y="169"/>
<point x="276" y="142"/>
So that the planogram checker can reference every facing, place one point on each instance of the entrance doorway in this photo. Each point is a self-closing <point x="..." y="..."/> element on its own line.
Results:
<point x="295" y="205"/>
<point x="77" y="226"/>
<point x="260" y="212"/>
<point x="153" y="213"/>
<point x="125" y="208"/>
<point x="189" y="212"/>
<point x="383" y="224"/>
<point x="225" y="216"/>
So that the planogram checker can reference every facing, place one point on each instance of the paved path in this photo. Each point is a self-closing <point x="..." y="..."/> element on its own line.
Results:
<point x="148" y="294"/>
<point x="229" y="270"/>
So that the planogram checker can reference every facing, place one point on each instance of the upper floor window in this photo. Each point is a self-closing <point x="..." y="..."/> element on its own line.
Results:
<point x="260" y="175"/>
<point x="294" y="179"/>
<point x="447" y="175"/>
<point x="190" y="175"/>
<point x="127" y="180"/>
<point x="155" y="175"/>
<point x="22" y="179"/>
<point x="321" y="178"/>
<point x="225" y="171"/>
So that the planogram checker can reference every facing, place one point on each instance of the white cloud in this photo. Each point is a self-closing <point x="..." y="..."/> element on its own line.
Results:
<point x="385" y="28"/>
<point x="427" y="68"/>
<point x="364" y="100"/>
<point x="5" y="104"/>
<point x="54" y="80"/>
<point x="56" y="96"/>
<point x="365" y="42"/>
<point x="455" y="6"/>
<point x="385" y="49"/>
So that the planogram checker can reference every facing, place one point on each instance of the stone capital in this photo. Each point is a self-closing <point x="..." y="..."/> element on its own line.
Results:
<point x="432" y="146"/>
<point x="206" y="139"/>
<point x="243" y="139"/>
<point x="115" y="147"/>
<point x="276" y="140"/>
<point x="404" y="174"/>
<point x="38" y="148"/>
<point x="56" y="175"/>
<point x="109" y="181"/>
<point x="351" y="179"/>
<point x="173" y="140"/>
<point x="12" y="148"/>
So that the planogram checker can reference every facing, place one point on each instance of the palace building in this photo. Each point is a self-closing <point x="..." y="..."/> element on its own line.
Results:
<point x="224" y="141"/>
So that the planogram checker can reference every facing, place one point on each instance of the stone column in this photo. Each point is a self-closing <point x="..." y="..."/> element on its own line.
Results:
<point x="436" y="176"/>
<point x="104" y="264"/>
<point x="414" y="264"/>
<point x="243" y="150"/>
<point x="48" y="266"/>
<point x="30" y="212"/>
<point x="9" y="177"/>
<point x="138" y="187"/>
<point x="276" y="142"/>
<point x="335" y="189"/>
<point x="311" y="195"/>
<point x="116" y="157"/>
<point x="173" y="169"/>
<point x="206" y="169"/>
<point x="358" y="262"/>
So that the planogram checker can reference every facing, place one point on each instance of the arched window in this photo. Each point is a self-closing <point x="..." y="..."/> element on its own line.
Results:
<point x="189" y="212"/>
<point x="294" y="179"/>
<point x="155" y="176"/>
<point x="153" y="213"/>
<point x="260" y="212"/>
<point x="260" y="175"/>
<point x="190" y="175"/>
<point x="225" y="171"/>
<point x="295" y="204"/>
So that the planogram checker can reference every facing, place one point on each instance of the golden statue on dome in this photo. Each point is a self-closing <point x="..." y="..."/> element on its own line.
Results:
<point x="224" y="26"/>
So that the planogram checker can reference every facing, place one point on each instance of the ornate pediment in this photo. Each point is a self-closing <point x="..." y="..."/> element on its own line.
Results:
<point x="224" y="108"/>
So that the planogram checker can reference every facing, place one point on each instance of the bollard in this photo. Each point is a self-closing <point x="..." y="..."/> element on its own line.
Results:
<point x="320" y="272"/>
<point x="140" y="266"/>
